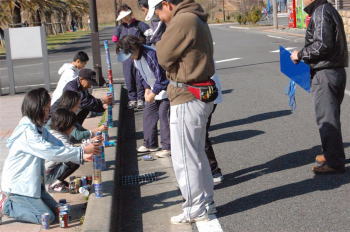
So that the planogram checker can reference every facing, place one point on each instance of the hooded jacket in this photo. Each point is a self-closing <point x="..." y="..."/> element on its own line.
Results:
<point x="325" y="40"/>
<point x="68" y="72"/>
<point x="186" y="50"/>
<point x="29" y="147"/>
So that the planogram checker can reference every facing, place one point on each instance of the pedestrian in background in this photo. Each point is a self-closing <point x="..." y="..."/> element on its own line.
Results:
<point x="327" y="53"/>
<point x="131" y="26"/>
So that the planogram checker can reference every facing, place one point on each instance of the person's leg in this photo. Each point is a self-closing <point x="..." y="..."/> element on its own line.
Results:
<point x="61" y="172"/>
<point x="328" y="92"/>
<point x="129" y="79"/>
<point x="150" y="120"/>
<point x="67" y="169"/>
<point x="139" y="87"/>
<point x="164" y="110"/>
<point x="27" y="209"/>
<point x="190" y="163"/>
<point x="48" y="200"/>
<point x="81" y="116"/>
<point x="209" y="148"/>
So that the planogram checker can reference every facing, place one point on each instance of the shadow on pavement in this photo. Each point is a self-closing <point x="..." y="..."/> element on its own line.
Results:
<point x="235" y="136"/>
<point x="288" y="161"/>
<point x="160" y="201"/>
<point x="251" y="119"/>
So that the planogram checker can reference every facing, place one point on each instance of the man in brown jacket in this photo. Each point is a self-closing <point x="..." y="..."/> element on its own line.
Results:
<point x="186" y="53"/>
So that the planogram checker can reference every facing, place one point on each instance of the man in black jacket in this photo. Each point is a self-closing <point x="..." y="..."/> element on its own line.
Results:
<point x="87" y="101"/>
<point x="327" y="53"/>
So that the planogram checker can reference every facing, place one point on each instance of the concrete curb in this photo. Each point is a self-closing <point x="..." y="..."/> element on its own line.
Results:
<point x="98" y="216"/>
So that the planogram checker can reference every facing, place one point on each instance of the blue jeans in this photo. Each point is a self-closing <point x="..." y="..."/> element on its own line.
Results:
<point x="29" y="209"/>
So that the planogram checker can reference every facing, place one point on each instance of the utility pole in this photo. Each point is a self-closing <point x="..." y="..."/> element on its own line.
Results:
<point x="95" y="43"/>
<point x="274" y="8"/>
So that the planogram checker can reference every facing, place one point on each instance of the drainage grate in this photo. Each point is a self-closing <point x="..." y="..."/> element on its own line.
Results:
<point x="139" y="179"/>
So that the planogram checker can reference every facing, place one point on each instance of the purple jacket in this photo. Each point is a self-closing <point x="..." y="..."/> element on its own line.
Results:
<point x="161" y="82"/>
<point x="136" y="28"/>
<point x="158" y="28"/>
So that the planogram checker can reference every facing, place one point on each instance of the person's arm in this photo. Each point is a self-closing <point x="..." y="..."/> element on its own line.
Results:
<point x="142" y="80"/>
<point x="323" y="39"/>
<point x="91" y="103"/>
<point x="35" y="144"/>
<point x="116" y="35"/>
<point x="161" y="82"/>
<point x="175" y="41"/>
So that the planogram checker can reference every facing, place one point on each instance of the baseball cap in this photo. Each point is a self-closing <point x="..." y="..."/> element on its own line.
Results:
<point x="151" y="8"/>
<point x="123" y="14"/>
<point x="88" y="74"/>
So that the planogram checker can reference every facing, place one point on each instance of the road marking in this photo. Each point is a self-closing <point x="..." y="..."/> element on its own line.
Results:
<point x="227" y="60"/>
<point x="276" y="37"/>
<point x="277" y="51"/>
<point x="243" y="28"/>
<point x="347" y="92"/>
<point x="209" y="226"/>
<point x="214" y="43"/>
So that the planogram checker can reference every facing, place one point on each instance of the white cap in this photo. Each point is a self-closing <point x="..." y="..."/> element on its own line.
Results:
<point x="123" y="14"/>
<point x="151" y="8"/>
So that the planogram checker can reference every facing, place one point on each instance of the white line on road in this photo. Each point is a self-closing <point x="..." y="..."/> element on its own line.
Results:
<point x="209" y="226"/>
<point x="227" y="60"/>
<point x="26" y="86"/>
<point x="276" y="37"/>
<point x="243" y="28"/>
<point x="277" y="51"/>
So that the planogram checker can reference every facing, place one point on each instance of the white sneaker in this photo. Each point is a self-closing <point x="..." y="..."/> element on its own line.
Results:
<point x="182" y="219"/>
<point x="163" y="153"/>
<point x="211" y="208"/>
<point x="143" y="149"/>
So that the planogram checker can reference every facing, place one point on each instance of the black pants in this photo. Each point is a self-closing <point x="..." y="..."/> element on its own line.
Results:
<point x="328" y="86"/>
<point x="61" y="172"/>
<point x="209" y="148"/>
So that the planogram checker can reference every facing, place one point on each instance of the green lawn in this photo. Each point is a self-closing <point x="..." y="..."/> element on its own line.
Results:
<point x="54" y="41"/>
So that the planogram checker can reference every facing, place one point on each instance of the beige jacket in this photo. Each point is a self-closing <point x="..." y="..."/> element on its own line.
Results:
<point x="186" y="50"/>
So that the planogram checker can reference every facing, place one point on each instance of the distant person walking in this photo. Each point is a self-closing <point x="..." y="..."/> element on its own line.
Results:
<point x="327" y="53"/>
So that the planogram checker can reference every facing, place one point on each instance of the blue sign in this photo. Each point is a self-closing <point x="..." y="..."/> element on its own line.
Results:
<point x="299" y="73"/>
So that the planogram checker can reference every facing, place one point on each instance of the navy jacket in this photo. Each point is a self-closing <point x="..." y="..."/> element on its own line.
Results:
<point x="136" y="28"/>
<point x="87" y="101"/>
<point x="161" y="82"/>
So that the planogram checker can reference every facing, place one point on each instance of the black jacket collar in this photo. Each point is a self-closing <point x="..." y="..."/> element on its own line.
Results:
<point x="312" y="7"/>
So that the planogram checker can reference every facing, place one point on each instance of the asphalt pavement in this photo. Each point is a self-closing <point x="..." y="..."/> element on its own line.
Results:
<point x="265" y="151"/>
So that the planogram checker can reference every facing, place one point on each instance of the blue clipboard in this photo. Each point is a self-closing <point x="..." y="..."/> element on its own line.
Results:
<point x="299" y="73"/>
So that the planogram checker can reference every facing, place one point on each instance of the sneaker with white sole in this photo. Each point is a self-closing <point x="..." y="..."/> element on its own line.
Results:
<point x="163" y="153"/>
<point x="132" y="105"/>
<point x="182" y="219"/>
<point x="217" y="177"/>
<point x="143" y="149"/>
<point x="140" y="104"/>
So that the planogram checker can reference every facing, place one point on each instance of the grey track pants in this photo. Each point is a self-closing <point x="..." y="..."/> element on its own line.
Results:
<point x="192" y="170"/>
<point x="328" y="86"/>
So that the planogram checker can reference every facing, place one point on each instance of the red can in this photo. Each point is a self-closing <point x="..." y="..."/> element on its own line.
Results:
<point x="63" y="219"/>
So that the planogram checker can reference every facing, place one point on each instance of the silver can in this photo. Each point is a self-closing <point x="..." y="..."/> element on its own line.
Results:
<point x="45" y="223"/>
